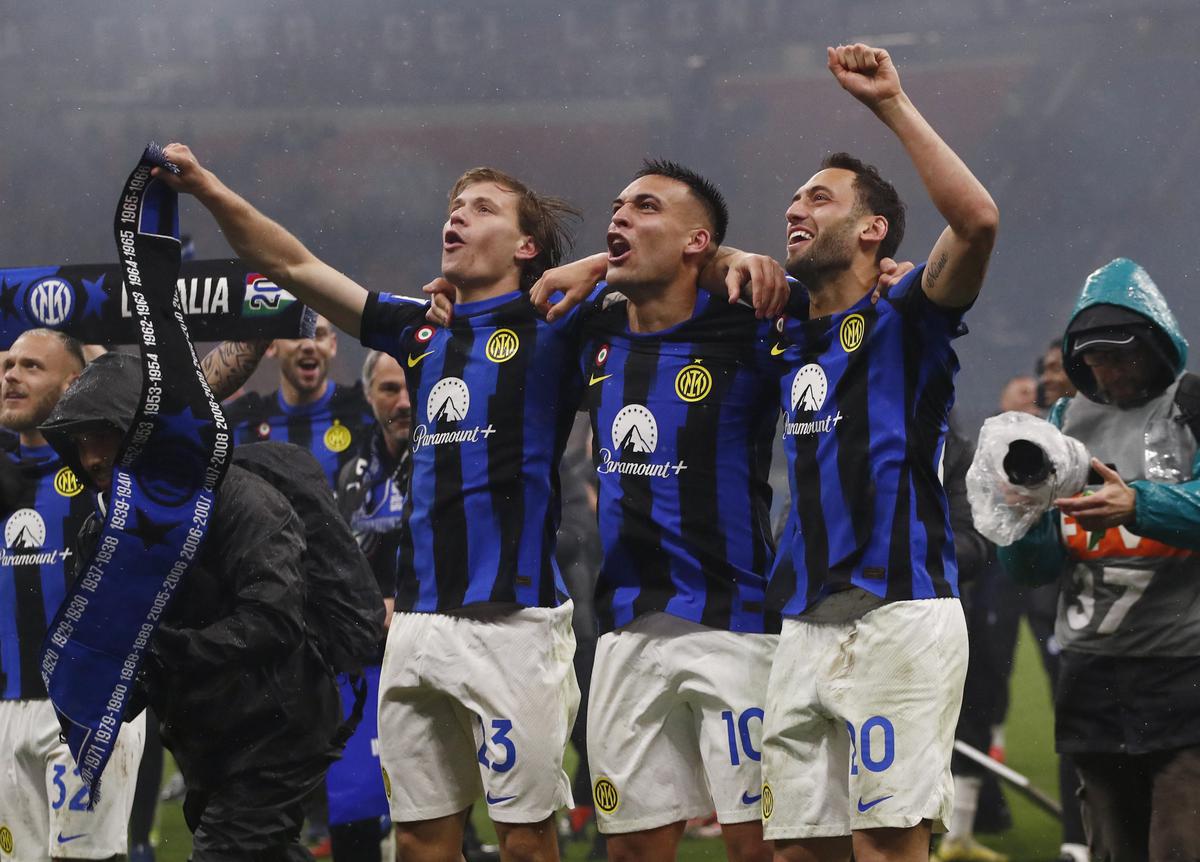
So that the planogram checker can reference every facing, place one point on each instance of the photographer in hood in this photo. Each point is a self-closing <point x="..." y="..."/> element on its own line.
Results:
<point x="248" y="706"/>
<point x="1123" y="551"/>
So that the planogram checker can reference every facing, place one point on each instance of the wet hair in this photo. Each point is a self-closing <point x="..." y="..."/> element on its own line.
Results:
<point x="69" y="343"/>
<point x="875" y="196"/>
<point x="702" y="189"/>
<point x="543" y="217"/>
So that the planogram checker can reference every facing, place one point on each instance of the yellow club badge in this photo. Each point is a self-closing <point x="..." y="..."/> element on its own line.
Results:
<point x="502" y="345"/>
<point x="337" y="437"/>
<point x="387" y="783"/>
<point x="768" y="802"/>
<point x="604" y="792"/>
<point x="66" y="483"/>
<point x="851" y="332"/>
<point x="6" y="841"/>
<point x="693" y="382"/>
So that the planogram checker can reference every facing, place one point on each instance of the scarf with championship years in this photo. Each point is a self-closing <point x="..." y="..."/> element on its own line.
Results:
<point x="222" y="301"/>
<point x="168" y="468"/>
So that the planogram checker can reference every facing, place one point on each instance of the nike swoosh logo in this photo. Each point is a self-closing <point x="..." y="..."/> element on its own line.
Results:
<point x="747" y="799"/>
<point x="594" y="379"/>
<point x="496" y="800"/>
<point x="63" y="839"/>
<point x="867" y="806"/>
<point x="777" y="349"/>
<point x="414" y="360"/>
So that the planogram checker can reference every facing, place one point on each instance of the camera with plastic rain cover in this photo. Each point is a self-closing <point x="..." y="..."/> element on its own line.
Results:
<point x="1022" y="464"/>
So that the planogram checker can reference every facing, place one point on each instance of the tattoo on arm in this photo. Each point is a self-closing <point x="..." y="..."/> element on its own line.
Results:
<point x="935" y="269"/>
<point x="230" y="364"/>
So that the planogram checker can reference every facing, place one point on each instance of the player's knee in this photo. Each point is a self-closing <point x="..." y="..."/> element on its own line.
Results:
<point x="534" y="842"/>
<point x="422" y="843"/>
<point x="744" y="842"/>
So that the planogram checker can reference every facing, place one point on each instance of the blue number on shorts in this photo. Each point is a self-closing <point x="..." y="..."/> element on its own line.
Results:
<point x="889" y="743"/>
<point x="853" y="749"/>
<point x="79" y="801"/>
<point x="502" y="726"/>
<point x="742" y="730"/>
<point x="59" y="772"/>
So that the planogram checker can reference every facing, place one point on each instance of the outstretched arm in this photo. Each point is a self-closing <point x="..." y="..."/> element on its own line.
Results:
<point x="959" y="259"/>
<point x="266" y="245"/>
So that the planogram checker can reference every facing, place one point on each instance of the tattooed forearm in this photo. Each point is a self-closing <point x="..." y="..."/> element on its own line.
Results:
<point x="935" y="269"/>
<point x="230" y="364"/>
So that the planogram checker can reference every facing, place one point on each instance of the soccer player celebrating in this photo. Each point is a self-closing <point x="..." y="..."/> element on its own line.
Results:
<point x="308" y="409"/>
<point x="683" y="415"/>
<point x="477" y="694"/>
<point x="865" y="688"/>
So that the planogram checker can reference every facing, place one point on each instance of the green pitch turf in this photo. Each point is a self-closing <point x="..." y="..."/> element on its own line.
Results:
<point x="1033" y="838"/>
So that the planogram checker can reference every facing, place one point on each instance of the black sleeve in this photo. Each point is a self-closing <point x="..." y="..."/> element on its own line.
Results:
<point x="970" y="547"/>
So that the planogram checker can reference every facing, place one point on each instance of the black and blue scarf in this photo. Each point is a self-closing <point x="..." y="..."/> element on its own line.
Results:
<point x="164" y="485"/>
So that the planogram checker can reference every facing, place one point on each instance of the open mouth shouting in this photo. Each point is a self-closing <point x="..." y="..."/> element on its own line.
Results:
<point x="452" y="241"/>
<point x="619" y="249"/>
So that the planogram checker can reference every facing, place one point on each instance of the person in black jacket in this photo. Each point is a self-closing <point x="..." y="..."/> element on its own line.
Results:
<point x="248" y="706"/>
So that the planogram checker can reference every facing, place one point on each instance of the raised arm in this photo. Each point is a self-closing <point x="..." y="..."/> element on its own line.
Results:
<point x="959" y="259"/>
<point x="267" y="246"/>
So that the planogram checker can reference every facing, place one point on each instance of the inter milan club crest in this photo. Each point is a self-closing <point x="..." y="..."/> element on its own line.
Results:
<point x="502" y="345"/>
<point x="337" y="438"/>
<point x="851" y="332"/>
<point x="66" y="483"/>
<point x="693" y="382"/>
<point x="604" y="792"/>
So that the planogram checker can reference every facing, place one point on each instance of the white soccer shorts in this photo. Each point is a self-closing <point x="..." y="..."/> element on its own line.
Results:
<point x="860" y="721"/>
<point x="675" y="723"/>
<point x="477" y="702"/>
<point x="43" y="802"/>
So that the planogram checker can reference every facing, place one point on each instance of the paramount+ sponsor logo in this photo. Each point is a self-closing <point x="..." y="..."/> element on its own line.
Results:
<point x="809" y="391"/>
<point x="633" y="437"/>
<point x="446" y="407"/>
<point x="25" y="539"/>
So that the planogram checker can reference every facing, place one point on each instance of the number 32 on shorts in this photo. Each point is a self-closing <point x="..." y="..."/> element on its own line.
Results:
<point x="874" y="744"/>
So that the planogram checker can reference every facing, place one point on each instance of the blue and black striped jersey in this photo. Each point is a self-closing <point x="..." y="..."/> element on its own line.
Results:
<point x="683" y="421"/>
<point x="866" y="401"/>
<point x="44" y="509"/>
<point x="493" y="399"/>
<point x="331" y="427"/>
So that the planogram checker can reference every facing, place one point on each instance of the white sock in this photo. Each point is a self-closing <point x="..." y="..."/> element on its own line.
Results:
<point x="966" y="800"/>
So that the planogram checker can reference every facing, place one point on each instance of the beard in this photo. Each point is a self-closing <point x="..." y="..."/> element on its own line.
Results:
<point x="831" y="253"/>
<point x="30" y="414"/>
